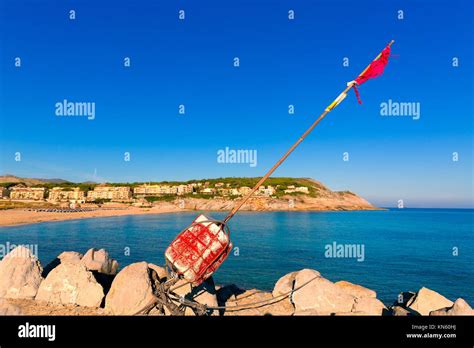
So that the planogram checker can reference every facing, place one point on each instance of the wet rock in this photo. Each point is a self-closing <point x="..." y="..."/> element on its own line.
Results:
<point x="71" y="283"/>
<point x="131" y="291"/>
<point x="20" y="274"/>
<point x="426" y="301"/>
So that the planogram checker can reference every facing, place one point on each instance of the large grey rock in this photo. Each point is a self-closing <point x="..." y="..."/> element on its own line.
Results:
<point x="71" y="283"/>
<point x="131" y="291"/>
<point x="460" y="307"/>
<point x="20" y="274"/>
<point x="426" y="301"/>
<point x="100" y="261"/>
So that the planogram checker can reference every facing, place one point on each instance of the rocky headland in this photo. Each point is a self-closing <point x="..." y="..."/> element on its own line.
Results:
<point x="91" y="284"/>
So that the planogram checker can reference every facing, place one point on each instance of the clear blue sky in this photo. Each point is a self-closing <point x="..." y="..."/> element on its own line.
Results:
<point x="283" y="62"/>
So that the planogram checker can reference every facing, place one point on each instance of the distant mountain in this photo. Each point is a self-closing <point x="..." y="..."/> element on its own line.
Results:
<point x="8" y="178"/>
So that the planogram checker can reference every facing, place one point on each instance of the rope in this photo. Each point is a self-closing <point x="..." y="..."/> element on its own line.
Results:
<point x="165" y="297"/>
<point x="263" y="302"/>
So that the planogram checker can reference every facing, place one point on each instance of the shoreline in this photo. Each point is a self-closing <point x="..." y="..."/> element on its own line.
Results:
<point x="19" y="217"/>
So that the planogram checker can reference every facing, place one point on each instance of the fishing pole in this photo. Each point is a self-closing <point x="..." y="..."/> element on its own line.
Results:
<point x="326" y="111"/>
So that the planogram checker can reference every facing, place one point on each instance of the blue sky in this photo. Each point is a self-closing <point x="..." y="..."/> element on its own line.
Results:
<point x="282" y="62"/>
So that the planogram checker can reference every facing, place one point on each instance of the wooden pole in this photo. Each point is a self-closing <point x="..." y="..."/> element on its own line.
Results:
<point x="331" y="106"/>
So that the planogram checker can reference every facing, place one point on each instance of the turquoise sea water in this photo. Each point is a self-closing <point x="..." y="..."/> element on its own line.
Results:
<point x="403" y="249"/>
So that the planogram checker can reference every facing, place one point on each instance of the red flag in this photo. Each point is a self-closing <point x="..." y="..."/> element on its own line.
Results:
<point x="375" y="69"/>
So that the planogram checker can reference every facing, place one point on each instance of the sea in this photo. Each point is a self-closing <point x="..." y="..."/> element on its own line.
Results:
<point x="389" y="251"/>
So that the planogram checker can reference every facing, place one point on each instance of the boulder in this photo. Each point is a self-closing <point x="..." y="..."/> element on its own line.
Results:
<point x="249" y="297"/>
<point x="460" y="307"/>
<point x="205" y="294"/>
<point x="70" y="256"/>
<point x="20" y="274"/>
<point x="350" y="314"/>
<point x="285" y="284"/>
<point x="131" y="290"/>
<point x="100" y="261"/>
<point x="71" y="283"/>
<point x="320" y="294"/>
<point x="160" y="272"/>
<point x="369" y="306"/>
<point x="7" y="308"/>
<point x="426" y="301"/>
<point x="356" y="290"/>
<point x="399" y="311"/>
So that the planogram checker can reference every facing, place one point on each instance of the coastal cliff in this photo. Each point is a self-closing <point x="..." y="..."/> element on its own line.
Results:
<point x="90" y="284"/>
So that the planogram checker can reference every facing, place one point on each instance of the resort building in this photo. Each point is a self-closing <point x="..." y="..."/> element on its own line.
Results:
<point x="208" y="191"/>
<point x="21" y="192"/>
<point x="293" y="189"/>
<point x="266" y="191"/>
<point x="302" y="189"/>
<point x="223" y="191"/>
<point x="114" y="193"/>
<point x="235" y="192"/>
<point x="244" y="190"/>
<point x="59" y="194"/>
<point x="154" y="190"/>
<point x="4" y="192"/>
<point x="184" y="189"/>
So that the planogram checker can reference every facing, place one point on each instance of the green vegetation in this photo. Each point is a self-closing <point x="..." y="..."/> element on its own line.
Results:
<point x="279" y="183"/>
<point x="68" y="186"/>
<point x="10" y="184"/>
<point x="164" y="198"/>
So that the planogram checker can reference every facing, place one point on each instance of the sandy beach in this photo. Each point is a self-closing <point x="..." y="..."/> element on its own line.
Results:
<point x="332" y="202"/>
<point x="13" y="217"/>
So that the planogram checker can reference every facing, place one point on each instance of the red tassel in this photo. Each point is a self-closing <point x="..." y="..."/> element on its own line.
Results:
<point x="357" y="93"/>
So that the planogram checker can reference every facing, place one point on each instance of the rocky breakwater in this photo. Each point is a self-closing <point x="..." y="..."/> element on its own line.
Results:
<point x="76" y="284"/>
